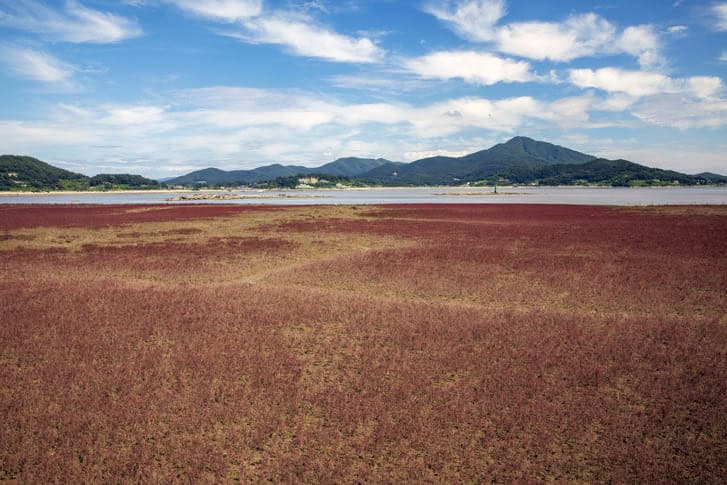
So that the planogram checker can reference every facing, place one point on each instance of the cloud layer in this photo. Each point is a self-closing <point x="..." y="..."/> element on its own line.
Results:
<point x="474" y="67"/>
<point x="583" y="35"/>
<point x="71" y="23"/>
<point x="297" y="32"/>
<point x="36" y="65"/>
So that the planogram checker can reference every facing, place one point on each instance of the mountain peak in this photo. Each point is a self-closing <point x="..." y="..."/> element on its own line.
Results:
<point x="519" y="140"/>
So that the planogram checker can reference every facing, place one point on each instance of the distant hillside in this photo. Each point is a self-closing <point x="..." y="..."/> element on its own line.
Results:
<point x="519" y="151"/>
<point x="214" y="176"/>
<point x="28" y="173"/>
<point x="111" y="180"/>
<point x="350" y="166"/>
<point x="712" y="178"/>
<point x="19" y="172"/>
<point x="599" y="171"/>
<point x="343" y="167"/>
<point x="520" y="160"/>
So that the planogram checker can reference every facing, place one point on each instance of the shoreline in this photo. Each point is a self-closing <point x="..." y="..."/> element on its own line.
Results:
<point x="107" y="192"/>
<point x="333" y="189"/>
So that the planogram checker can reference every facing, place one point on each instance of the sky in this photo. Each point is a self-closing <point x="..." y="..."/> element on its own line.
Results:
<point x="165" y="87"/>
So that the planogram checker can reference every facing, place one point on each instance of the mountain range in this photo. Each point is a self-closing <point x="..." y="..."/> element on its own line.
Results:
<point x="519" y="160"/>
<point x="343" y="167"/>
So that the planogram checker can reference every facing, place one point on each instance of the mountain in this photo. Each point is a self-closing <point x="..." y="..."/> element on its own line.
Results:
<point x="350" y="166"/>
<point x="18" y="172"/>
<point x="343" y="167"/>
<point x="28" y="173"/>
<point x="215" y="176"/>
<point x="519" y="151"/>
<point x="520" y="160"/>
<point x="599" y="171"/>
<point x="712" y="178"/>
<point x="108" y="180"/>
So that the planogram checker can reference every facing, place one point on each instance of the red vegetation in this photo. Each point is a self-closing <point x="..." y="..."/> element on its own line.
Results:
<point x="169" y="258"/>
<point x="490" y="343"/>
<point x="20" y="216"/>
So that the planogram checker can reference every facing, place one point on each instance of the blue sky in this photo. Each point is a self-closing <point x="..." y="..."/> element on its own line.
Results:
<point x="164" y="87"/>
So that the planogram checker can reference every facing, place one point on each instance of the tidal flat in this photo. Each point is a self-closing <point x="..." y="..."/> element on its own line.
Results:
<point x="389" y="343"/>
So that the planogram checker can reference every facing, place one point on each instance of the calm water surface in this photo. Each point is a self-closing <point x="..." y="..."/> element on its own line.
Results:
<point x="417" y="195"/>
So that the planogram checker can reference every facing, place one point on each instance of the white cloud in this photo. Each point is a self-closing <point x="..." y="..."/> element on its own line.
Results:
<point x="616" y="102"/>
<point x="473" y="67"/>
<point x="673" y="154"/>
<point x="296" y="31"/>
<point x="36" y="65"/>
<point x="303" y="37"/>
<point x="642" y="42"/>
<point x="221" y="10"/>
<point x="134" y="115"/>
<point x="257" y="125"/>
<point x="723" y="57"/>
<point x="643" y="83"/>
<point x="720" y="13"/>
<point x="474" y="19"/>
<point x="611" y="79"/>
<point x="577" y="36"/>
<point x="26" y="137"/>
<point x="677" y="29"/>
<point x="704" y="86"/>
<point x="418" y="155"/>
<point x="681" y="112"/>
<point x="378" y="83"/>
<point x="71" y="23"/>
<point x="237" y="127"/>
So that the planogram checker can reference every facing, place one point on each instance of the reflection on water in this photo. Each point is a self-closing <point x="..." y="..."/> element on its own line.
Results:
<point x="416" y="195"/>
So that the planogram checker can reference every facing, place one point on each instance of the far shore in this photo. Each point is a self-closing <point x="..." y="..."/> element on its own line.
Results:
<point x="331" y="189"/>
<point x="106" y="192"/>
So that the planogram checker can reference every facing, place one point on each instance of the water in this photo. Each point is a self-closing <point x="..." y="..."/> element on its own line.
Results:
<point x="417" y="195"/>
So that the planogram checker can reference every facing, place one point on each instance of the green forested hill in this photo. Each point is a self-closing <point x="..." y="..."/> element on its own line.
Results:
<point x="493" y="161"/>
<point x="599" y="171"/>
<point x="122" y="179"/>
<point x="27" y="174"/>
<point x="343" y="167"/>
<point x="23" y="173"/>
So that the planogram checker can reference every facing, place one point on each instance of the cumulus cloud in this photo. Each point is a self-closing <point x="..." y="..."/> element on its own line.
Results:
<point x="640" y="41"/>
<point x="657" y="99"/>
<point x="577" y="36"/>
<point x="36" y="65"/>
<point x="73" y="22"/>
<point x="473" y="67"/>
<point x="643" y="83"/>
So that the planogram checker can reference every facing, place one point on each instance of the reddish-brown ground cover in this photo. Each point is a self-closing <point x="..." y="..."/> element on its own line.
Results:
<point x="22" y="216"/>
<point x="402" y="343"/>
